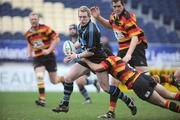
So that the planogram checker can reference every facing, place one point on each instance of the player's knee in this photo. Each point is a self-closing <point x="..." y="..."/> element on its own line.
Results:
<point x="40" y="75"/>
<point x="54" y="82"/>
<point x="68" y="79"/>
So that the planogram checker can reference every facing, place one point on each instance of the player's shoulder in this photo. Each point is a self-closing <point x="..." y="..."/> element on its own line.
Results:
<point x="43" y="26"/>
<point x="112" y="16"/>
<point x="127" y="15"/>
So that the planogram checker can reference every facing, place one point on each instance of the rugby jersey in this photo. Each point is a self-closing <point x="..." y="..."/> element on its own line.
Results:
<point x="120" y="70"/>
<point x="40" y="39"/>
<point x="125" y="27"/>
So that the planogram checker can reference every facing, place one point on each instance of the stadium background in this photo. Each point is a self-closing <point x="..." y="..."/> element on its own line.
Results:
<point x="159" y="19"/>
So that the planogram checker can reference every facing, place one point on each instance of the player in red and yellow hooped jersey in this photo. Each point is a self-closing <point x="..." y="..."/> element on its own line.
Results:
<point x="125" y="27"/>
<point x="41" y="38"/>
<point x="143" y="85"/>
<point x="131" y="40"/>
<point x="41" y="44"/>
<point x="121" y="70"/>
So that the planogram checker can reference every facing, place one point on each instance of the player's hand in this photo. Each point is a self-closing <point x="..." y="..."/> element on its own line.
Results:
<point x="126" y="58"/>
<point x="73" y="56"/>
<point x="67" y="59"/>
<point x="29" y="56"/>
<point x="95" y="11"/>
<point x="46" y="52"/>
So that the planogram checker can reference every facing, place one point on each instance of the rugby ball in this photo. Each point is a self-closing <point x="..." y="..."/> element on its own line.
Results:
<point x="68" y="48"/>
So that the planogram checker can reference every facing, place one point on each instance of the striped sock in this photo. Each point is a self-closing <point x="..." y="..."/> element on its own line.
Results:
<point x="89" y="82"/>
<point x="84" y="92"/>
<point x="68" y="89"/>
<point x="115" y="91"/>
<point x="177" y="96"/>
<point x="172" y="106"/>
<point x="41" y="89"/>
<point x="113" y="102"/>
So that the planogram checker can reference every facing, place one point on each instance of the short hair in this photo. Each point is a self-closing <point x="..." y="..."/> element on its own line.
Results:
<point x="85" y="9"/>
<point x="34" y="14"/>
<point x="122" y="1"/>
<point x="74" y="26"/>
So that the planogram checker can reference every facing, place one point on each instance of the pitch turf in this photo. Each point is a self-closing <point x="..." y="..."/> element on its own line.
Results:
<point x="20" y="106"/>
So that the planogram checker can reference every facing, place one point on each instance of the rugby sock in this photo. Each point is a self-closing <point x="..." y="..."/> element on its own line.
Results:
<point x="172" y="106"/>
<point x="41" y="88"/>
<point x="84" y="92"/>
<point x="89" y="82"/>
<point x="115" y="91"/>
<point x="113" y="102"/>
<point x="68" y="89"/>
<point x="177" y="96"/>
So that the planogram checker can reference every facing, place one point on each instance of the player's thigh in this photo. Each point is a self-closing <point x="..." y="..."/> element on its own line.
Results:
<point x="156" y="99"/>
<point x="39" y="69"/>
<point x="81" y="80"/>
<point x="75" y="72"/>
<point x="164" y="92"/>
<point x="115" y="82"/>
<point x="53" y="76"/>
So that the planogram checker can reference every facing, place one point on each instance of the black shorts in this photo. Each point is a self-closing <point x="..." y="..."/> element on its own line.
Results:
<point x="49" y="61"/>
<point x="144" y="86"/>
<point x="138" y="56"/>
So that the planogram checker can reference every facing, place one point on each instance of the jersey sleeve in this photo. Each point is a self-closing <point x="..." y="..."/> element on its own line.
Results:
<point x="51" y="34"/>
<point x="105" y="64"/>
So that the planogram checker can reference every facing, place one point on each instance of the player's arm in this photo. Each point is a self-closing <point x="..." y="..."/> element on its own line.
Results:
<point x="29" y="50"/>
<point x="95" y="67"/>
<point x="96" y="14"/>
<point x="84" y="54"/>
<point x="133" y="43"/>
<point x="54" y="42"/>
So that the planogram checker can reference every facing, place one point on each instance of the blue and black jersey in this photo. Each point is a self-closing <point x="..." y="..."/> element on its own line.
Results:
<point x="89" y="38"/>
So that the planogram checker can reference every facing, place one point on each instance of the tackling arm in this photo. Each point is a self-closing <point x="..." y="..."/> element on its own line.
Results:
<point x="95" y="67"/>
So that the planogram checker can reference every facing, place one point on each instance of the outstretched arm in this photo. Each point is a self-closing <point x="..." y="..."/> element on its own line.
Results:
<point x="96" y="14"/>
<point x="95" y="67"/>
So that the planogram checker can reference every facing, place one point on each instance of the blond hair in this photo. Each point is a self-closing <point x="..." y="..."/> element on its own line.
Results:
<point x="34" y="14"/>
<point x="85" y="9"/>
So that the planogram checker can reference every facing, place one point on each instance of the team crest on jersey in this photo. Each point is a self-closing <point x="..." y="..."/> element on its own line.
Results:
<point x="38" y="44"/>
<point x="118" y="34"/>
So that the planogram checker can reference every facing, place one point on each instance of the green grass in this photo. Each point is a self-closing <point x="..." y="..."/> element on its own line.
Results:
<point x="20" y="106"/>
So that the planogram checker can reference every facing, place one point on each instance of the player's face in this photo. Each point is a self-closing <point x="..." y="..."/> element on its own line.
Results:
<point x="34" y="20"/>
<point x="72" y="31"/>
<point x="118" y="7"/>
<point x="83" y="18"/>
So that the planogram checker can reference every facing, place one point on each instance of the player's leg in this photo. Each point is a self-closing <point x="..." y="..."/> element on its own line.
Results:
<point x="75" y="72"/>
<point x="55" y="79"/>
<point x="156" y="99"/>
<point x="145" y="88"/>
<point x="112" y="103"/>
<point x="114" y="91"/>
<point x="51" y="67"/>
<point x="92" y="82"/>
<point x="81" y="81"/>
<point x="40" y="70"/>
<point x="166" y="93"/>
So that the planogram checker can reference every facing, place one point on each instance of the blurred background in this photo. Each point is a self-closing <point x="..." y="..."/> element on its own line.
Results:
<point x="160" y="19"/>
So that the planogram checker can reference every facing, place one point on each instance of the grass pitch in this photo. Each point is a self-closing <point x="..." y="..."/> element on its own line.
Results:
<point x="21" y="106"/>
